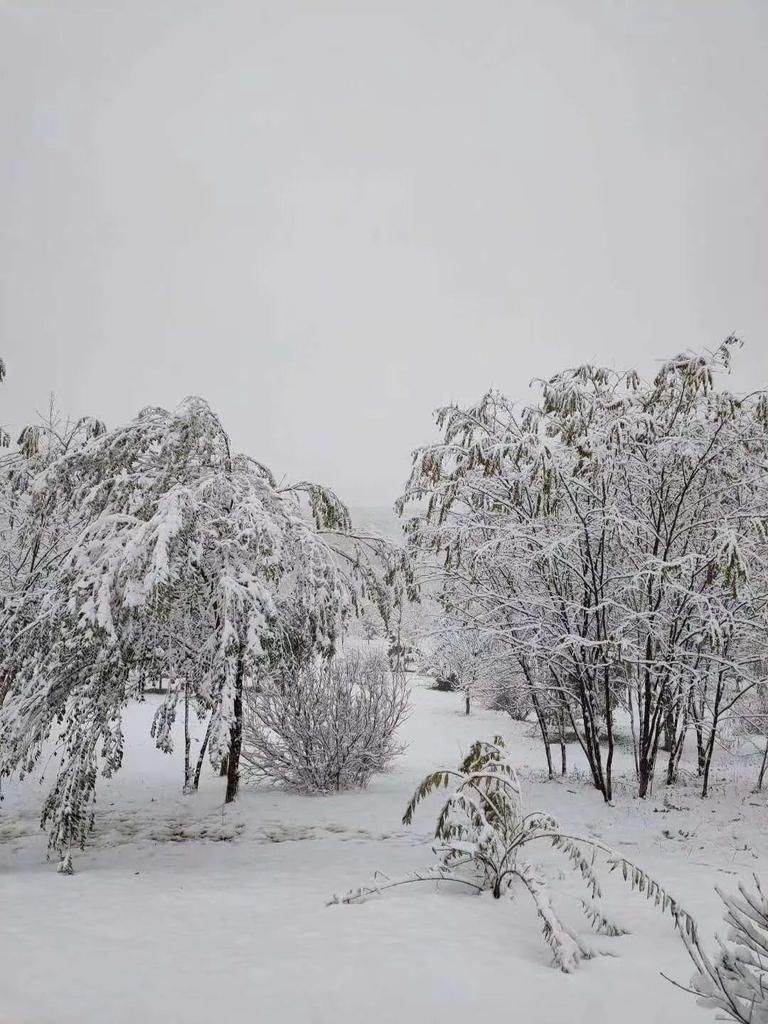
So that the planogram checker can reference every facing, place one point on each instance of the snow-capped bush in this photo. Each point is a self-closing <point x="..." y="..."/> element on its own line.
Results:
<point x="482" y="832"/>
<point x="736" y="983"/>
<point x="329" y="726"/>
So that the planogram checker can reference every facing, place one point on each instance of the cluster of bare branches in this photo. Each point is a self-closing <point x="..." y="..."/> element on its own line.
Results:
<point x="327" y="726"/>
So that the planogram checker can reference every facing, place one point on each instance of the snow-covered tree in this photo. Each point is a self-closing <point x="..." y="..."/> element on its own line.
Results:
<point x="33" y="533"/>
<point x="185" y="561"/>
<point x="470" y="661"/>
<point x="612" y="536"/>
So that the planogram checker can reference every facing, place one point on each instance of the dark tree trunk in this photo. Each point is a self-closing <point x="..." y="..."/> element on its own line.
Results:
<point x="708" y="765"/>
<point x="563" y="748"/>
<point x="700" y="752"/>
<point x="235" y="737"/>
<point x="608" y="793"/>
<point x="710" y="749"/>
<point x="681" y="730"/>
<point x="763" y="766"/>
<point x="647" y="762"/>
<point x="670" y="730"/>
<point x="201" y="755"/>
<point x="544" y="729"/>
<point x="592" y="744"/>
<point x="187" y="741"/>
<point x="646" y="775"/>
<point x="674" y="758"/>
<point x="650" y="737"/>
<point x="697" y="713"/>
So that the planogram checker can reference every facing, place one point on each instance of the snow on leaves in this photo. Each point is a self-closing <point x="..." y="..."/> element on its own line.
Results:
<point x="613" y="536"/>
<point x="181" y="561"/>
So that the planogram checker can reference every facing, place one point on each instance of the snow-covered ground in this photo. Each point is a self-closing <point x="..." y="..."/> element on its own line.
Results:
<point x="185" y="910"/>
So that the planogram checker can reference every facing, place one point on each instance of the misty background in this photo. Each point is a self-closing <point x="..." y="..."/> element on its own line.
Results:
<point x="329" y="218"/>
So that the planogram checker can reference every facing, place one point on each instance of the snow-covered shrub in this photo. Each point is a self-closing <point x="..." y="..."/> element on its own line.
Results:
<point x="329" y="726"/>
<point x="736" y="983"/>
<point x="482" y="833"/>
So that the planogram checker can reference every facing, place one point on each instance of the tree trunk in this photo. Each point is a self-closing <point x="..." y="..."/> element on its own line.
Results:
<point x="608" y="696"/>
<point x="201" y="755"/>
<point x="670" y="730"/>
<point x="708" y="765"/>
<point x="648" y="751"/>
<point x="466" y="702"/>
<point x="698" y="726"/>
<point x="235" y="736"/>
<point x="650" y="736"/>
<point x="563" y="748"/>
<point x="632" y="729"/>
<point x="700" y="754"/>
<point x="645" y="776"/>
<point x="543" y="730"/>
<point x="713" y="734"/>
<point x="763" y="766"/>
<point x="681" y="730"/>
<point x="674" y="758"/>
<point x="187" y="741"/>
<point x="591" y="743"/>
<point x="540" y="718"/>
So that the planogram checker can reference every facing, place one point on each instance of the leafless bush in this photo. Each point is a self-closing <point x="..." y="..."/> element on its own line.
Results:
<point x="329" y="727"/>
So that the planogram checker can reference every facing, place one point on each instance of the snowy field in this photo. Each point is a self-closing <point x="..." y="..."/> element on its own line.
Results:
<point x="184" y="910"/>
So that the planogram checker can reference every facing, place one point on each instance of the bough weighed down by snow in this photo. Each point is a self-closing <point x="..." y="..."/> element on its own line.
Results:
<point x="482" y="830"/>
<point x="174" y="558"/>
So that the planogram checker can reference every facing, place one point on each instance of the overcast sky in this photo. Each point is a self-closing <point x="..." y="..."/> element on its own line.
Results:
<point x="329" y="218"/>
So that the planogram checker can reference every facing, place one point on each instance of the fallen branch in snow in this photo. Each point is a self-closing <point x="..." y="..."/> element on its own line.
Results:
<point x="434" y="875"/>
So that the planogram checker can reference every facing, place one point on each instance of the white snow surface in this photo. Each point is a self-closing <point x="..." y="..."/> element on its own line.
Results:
<point x="182" y="909"/>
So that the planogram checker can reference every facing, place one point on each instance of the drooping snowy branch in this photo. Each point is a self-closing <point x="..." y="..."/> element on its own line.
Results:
<point x="183" y="560"/>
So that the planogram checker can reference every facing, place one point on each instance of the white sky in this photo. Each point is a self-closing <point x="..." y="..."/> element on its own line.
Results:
<point x="328" y="218"/>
